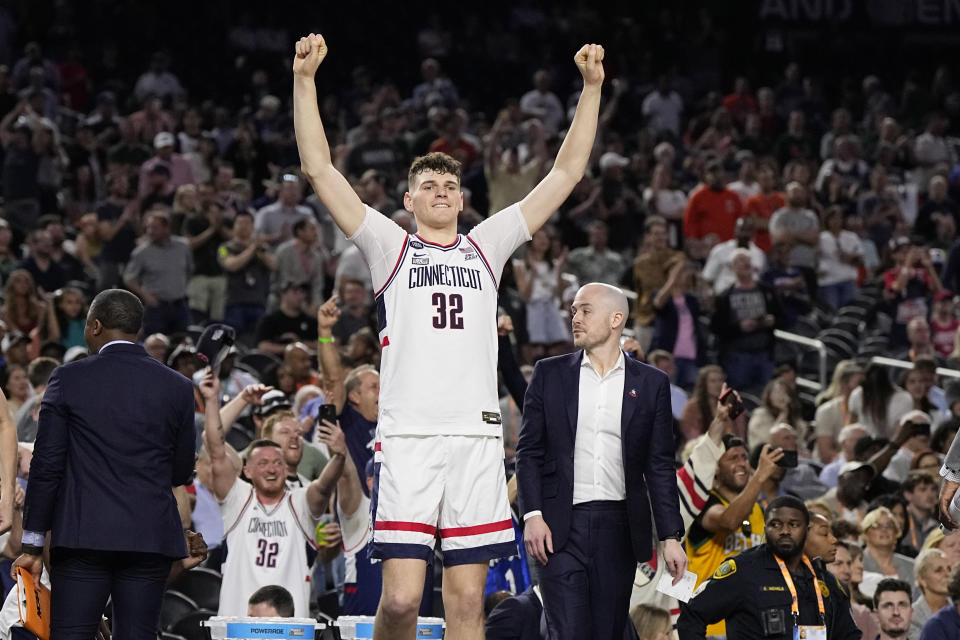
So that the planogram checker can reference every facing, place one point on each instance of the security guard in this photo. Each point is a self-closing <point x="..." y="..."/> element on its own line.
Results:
<point x="772" y="591"/>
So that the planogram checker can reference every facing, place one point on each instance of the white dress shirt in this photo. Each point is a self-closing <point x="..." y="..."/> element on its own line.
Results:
<point x="598" y="451"/>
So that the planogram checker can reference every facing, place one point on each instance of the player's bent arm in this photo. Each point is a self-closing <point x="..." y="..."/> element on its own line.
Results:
<point x="320" y="490"/>
<point x="214" y="439"/>
<point x="556" y="186"/>
<point x="332" y="188"/>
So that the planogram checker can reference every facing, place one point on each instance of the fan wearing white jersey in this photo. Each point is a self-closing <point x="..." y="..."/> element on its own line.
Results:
<point x="269" y="529"/>
<point x="439" y="451"/>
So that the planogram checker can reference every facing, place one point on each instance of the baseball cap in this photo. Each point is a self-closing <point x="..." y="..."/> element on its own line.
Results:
<point x="272" y="401"/>
<point x="181" y="350"/>
<point x="856" y="465"/>
<point x="163" y="139"/>
<point x="612" y="159"/>
<point x="13" y="338"/>
<point x="730" y="441"/>
<point x="899" y="241"/>
<point x="915" y="416"/>
<point x="74" y="353"/>
<point x="214" y="344"/>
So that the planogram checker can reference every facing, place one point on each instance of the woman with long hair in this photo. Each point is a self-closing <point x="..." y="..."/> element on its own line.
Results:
<point x="24" y="309"/>
<point x="832" y="408"/>
<point x="71" y="316"/>
<point x="877" y="403"/>
<point x="18" y="388"/>
<point x="912" y="382"/>
<point x="698" y="413"/>
<point x="540" y="283"/>
<point x="776" y="406"/>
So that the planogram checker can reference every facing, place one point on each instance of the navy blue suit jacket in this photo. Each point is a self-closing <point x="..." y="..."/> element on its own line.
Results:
<point x="516" y="618"/>
<point x="115" y="434"/>
<point x="548" y="435"/>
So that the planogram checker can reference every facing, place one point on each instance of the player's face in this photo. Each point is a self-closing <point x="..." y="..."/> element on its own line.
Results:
<point x="894" y="612"/>
<point x="435" y="200"/>
<point x="267" y="470"/>
<point x="733" y="469"/>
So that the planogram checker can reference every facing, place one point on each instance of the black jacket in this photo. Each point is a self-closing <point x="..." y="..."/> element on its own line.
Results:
<point x="748" y="591"/>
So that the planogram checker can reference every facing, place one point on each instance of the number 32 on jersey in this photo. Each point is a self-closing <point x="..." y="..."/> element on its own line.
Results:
<point x="449" y="309"/>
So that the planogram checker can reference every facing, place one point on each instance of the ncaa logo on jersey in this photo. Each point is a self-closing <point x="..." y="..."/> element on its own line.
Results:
<point x="416" y="244"/>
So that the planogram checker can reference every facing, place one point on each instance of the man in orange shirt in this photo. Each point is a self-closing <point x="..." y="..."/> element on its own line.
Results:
<point x="712" y="210"/>
<point x="761" y="206"/>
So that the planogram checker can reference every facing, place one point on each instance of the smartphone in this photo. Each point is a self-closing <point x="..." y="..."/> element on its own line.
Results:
<point x="789" y="460"/>
<point x="730" y="399"/>
<point x="327" y="412"/>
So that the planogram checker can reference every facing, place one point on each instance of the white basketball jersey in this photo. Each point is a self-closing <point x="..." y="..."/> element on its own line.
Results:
<point x="266" y="544"/>
<point x="437" y="311"/>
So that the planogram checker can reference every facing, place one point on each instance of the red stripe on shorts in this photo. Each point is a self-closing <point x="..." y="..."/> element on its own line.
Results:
<point x="473" y="531"/>
<point x="391" y="525"/>
<point x="377" y="447"/>
<point x="386" y="342"/>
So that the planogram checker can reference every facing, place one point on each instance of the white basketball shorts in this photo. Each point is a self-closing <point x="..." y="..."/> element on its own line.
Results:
<point x="453" y="487"/>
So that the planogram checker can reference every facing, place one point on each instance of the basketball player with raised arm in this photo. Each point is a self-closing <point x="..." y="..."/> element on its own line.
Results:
<point x="439" y="451"/>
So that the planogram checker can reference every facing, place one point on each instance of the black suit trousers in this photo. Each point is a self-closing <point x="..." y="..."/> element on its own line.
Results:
<point x="586" y="585"/>
<point x="81" y="581"/>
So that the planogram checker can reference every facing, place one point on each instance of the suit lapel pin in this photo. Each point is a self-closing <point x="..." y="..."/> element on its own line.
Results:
<point x="633" y="393"/>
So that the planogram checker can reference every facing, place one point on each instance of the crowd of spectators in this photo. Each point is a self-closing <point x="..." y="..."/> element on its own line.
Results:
<point x="728" y="207"/>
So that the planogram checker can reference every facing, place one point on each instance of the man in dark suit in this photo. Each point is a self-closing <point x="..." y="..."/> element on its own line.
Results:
<point x="518" y="617"/>
<point x="596" y="451"/>
<point x="115" y="434"/>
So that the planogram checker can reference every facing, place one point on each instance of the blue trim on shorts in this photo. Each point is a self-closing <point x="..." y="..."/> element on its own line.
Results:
<point x="389" y="550"/>
<point x="454" y="557"/>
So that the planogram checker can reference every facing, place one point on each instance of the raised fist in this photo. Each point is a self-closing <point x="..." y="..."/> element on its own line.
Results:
<point x="590" y="62"/>
<point x="311" y="50"/>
